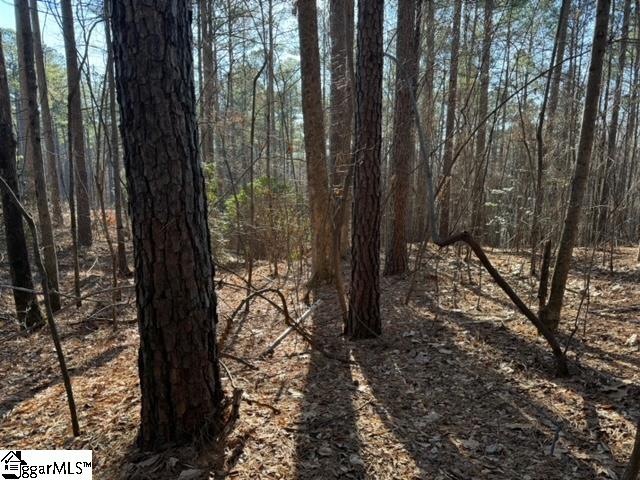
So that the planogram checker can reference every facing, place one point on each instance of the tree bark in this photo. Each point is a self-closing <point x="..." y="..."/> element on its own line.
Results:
<point x="176" y="301"/>
<point x="35" y="149"/>
<point x="314" y="143"/>
<point x="364" y="302"/>
<point x="550" y="315"/>
<point x="403" y="147"/>
<point x="27" y="310"/>
<point x="76" y="126"/>
<point x="447" y="160"/>
<point x="47" y="121"/>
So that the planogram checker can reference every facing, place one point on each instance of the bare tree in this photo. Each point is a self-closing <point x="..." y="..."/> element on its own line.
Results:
<point x="550" y="315"/>
<point x="27" y="310"/>
<point x="35" y="149"/>
<point x="47" y="121"/>
<point x="314" y="142"/>
<point x="76" y="127"/>
<point x="447" y="160"/>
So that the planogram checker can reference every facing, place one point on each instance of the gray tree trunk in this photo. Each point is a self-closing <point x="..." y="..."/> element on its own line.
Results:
<point x="551" y="313"/>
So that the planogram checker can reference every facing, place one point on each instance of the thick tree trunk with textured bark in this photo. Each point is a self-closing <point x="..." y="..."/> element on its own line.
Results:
<point x="550" y="315"/>
<point x="314" y="143"/>
<point x="178" y="360"/>
<point x="27" y="310"/>
<point x="364" y="301"/>
<point x="47" y="121"/>
<point x="403" y="147"/>
<point x="76" y="144"/>
<point x="35" y="148"/>
<point x="447" y="159"/>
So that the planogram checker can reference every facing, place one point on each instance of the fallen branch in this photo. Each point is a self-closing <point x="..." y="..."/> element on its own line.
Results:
<point x="287" y="332"/>
<point x="561" y="361"/>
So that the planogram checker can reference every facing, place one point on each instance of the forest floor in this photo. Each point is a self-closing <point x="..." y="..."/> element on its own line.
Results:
<point x="459" y="386"/>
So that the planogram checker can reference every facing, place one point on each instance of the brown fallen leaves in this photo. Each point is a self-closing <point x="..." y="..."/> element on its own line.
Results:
<point x="459" y="385"/>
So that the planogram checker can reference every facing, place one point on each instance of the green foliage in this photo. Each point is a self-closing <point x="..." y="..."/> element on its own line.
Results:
<point x="280" y="220"/>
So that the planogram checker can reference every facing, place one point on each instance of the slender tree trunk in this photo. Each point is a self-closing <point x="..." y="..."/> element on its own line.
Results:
<point x="477" y="216"/>
<point x="607" y="177"/>
<point x="551" y="313"/>
<point x="403" y="147"/>
<point x="85" y="236"/>
<point x="208" y="79"/>
<point x="178" y="359"/>
<point x="35" y="149"/>
<point x="47" y="121"/>
<point x="341" y="113"/>
<point x="540" y="145"/>
<point x="364" y="302"/>
<point x="561" y="43"/>
<point x="447" y="160"/>
<point x="123" y="268"/>
<point x="27" y="310"/>
<point x="314" y="142"/>
<point x="428" y="122"/>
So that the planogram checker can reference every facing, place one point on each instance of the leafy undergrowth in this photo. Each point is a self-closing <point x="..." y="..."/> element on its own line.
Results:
<point x="459" y="386"/>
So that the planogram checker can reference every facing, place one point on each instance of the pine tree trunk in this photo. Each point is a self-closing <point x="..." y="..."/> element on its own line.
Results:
<point x="35" y="149"/>
<point x="403" y="147"/>
<point x="27" y="310"/>
<point x="551" y="313"/>
<point x="447" y="159"/>
<point x="364" y="302"/>
<point x="76" y="126"/>
<point x="314" y="142"/>
<point x="47" y="121"/>
<point x="178" y="360"/>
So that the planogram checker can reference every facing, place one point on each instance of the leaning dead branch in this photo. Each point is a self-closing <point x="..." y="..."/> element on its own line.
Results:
<point x="465" y="237"/>
<point x="50" y="320"/>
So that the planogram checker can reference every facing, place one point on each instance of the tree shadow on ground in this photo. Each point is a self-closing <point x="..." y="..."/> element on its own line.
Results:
<point x="445" y="389"/>
<point x="40" y="379"/>
<point x="327" y="441"/>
